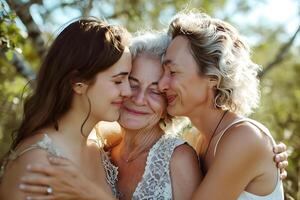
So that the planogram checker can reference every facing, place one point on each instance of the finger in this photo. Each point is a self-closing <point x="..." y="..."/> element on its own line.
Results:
<point x="42" y="169"/>
<point x="36" y="180"/>
<point x="33" y="189"/>
<point x="279" y="148"/>
<point x="281" y="157"/>
<point x="59" y="160"/>
<point x="45" y="197"/>
<point x="282" y="165"/>
<point x="283" y="174"/>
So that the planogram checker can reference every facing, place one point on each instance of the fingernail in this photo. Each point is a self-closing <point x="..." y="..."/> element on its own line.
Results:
<point x="51" y="158"/>
<point x="277" y="158"/>
<point x="22" y="186"/>
<point x="28" y="167"/>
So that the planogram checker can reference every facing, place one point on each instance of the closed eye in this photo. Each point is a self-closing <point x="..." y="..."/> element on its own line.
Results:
<point x="172" y="73"/>
<point x="118" y="82"/>
<point x="156" y="92"/>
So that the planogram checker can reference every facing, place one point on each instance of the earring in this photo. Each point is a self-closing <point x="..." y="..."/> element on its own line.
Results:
<point x="79" y="84"/>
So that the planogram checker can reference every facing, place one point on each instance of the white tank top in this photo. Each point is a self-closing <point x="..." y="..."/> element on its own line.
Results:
<point x="277" y="193"/>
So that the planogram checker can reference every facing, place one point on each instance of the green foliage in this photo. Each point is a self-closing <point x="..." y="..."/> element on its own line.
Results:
<point x="11" y="83"/>
<point x="280" y="104"/>
<point x="10" y="36"/>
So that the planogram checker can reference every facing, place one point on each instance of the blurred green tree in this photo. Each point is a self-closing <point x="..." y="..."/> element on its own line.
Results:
<point x="23" y="43"/>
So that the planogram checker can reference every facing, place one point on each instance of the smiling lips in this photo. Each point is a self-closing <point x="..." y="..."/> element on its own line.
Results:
<point x="118" y="103"/>
<point x="135" y="112"/>
<point x="171" y="98"/>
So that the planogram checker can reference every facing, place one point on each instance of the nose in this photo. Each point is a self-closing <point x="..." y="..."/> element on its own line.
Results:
<point x="163" y="84"/>
<point x="139" y="98"/>
<point x="126" y="90"/>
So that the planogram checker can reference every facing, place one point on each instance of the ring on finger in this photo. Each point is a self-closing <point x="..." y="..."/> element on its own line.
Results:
<point x="49" y="190"/>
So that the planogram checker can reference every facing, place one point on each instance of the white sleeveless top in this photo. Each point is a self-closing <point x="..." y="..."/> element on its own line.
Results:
<point x="277" y="193"/>
<point x="156" y="180"/>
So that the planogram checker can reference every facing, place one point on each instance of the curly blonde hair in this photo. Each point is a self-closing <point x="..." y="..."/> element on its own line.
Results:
<point x="222" y="53"/>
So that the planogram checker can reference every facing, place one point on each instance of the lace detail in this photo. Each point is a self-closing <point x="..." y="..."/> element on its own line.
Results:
<point x="45" y="143"/>
<point x="111" y="172"/>
<point x="156" y="180"/>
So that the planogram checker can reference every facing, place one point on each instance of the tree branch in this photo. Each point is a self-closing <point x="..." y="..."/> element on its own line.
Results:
<point x="86" y="9"/>
<point x="22" y="11"/>
<point x="20" y="65"/>
<point x="280" y="55"/>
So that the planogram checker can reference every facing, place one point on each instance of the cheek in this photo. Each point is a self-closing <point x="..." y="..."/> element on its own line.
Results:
<point x="112" y="90"/>
<point x="177" y="84"/>
<point x="158" y="104"/>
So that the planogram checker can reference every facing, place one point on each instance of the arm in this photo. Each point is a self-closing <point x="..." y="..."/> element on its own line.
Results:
<point x="185" y="172"/>
<point x="233" y="168"/>
<point x="65" y="179"/>
<point x="16" y="169"/>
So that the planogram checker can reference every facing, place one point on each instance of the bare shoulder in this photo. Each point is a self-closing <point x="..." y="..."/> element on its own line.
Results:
<point x="185" y="172"/>
<point x="245" y="135"/>
<point x="185" y="159"/>
<point x="242" y="144"/>
<point x="183" y="153"/>
<point x="15" y="169"/>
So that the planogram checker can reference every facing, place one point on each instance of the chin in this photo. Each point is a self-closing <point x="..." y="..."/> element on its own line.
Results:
<point x="131" y="123"/>
<point x="112" y="117"/>
<point x="175" y="111"/>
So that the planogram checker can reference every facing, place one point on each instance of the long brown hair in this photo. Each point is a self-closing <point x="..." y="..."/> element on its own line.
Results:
<point x="84" y="48"/>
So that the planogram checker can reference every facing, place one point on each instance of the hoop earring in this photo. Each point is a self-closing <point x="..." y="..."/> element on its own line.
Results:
<point x="216" y="102"/>
<point x="87" y="117"/>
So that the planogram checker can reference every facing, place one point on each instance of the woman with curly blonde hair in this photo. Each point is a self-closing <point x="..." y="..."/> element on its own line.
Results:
<point x="210" y="78"/>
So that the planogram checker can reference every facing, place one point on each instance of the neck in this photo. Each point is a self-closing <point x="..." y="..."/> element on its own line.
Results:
<point x="70" y="127"/>
<point x="206" y="120"/>
<point x="135" y="142"/>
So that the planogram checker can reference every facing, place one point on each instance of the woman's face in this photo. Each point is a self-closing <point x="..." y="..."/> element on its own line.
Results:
<point x="185" y="89"/>
<point x="147" y="105"/>
<point x="109" y="89"/>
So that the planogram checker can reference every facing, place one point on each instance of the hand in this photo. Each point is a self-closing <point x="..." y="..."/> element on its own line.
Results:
<point x="65" y="180"/>
<point x="280" y="158"/>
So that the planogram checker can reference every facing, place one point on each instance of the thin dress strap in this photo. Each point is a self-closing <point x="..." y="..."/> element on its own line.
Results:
<point x="255" y="123"/>
<point x="45" y="143"/>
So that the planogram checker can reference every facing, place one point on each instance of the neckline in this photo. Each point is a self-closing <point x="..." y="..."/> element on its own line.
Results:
<point x="147" y="166"/>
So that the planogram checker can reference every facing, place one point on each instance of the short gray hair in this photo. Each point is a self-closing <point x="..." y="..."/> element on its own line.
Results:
<point x="150" y="42"/>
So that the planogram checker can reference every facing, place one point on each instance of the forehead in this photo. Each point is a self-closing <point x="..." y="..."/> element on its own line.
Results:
<point x="179" y="52"/>
<point x="146" y="68"/>
<point x="123" y="64"/>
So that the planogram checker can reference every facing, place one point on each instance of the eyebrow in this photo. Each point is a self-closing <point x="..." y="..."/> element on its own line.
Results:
<point x="168" y="62"/>
<point x="136" y="80"/>
<point x="121" y="74"/>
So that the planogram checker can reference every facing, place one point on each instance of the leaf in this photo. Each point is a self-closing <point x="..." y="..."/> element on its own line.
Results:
<point x="9" y="55"/>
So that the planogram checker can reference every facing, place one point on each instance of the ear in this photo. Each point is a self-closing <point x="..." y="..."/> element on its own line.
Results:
<point x="213" y="81"/>
<point x="80" y="88"/>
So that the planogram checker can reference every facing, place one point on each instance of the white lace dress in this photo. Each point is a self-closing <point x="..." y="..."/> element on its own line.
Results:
<point x="156" y="180"/>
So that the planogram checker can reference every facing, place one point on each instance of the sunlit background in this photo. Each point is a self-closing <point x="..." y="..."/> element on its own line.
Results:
<point x="271" y="27"/>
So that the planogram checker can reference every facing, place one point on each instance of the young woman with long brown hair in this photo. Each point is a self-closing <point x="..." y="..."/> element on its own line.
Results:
<point x="83" y="80"/>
